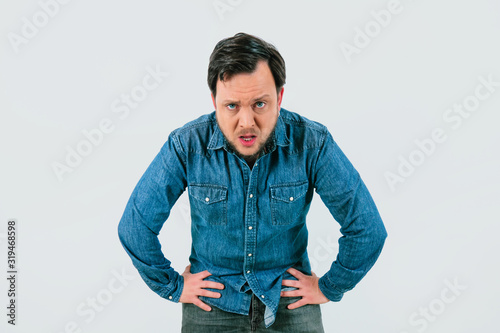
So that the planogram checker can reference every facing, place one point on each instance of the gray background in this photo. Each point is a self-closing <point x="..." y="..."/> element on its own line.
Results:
<point x="442" y="220"/>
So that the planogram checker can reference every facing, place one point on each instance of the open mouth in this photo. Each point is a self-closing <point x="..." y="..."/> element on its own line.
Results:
<point x="247" y="140"/>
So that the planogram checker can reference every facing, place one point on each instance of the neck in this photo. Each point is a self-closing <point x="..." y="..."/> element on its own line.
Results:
<point x="251" y="161"/>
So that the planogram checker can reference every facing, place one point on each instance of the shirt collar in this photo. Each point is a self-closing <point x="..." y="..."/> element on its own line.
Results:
<point x="217" y="139"/>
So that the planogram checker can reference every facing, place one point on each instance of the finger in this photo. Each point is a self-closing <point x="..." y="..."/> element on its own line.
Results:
<point x="202" y="305"/>
<point x="298" y="304"/>
<point x="291" y="293"/>
<point x="208" y="293"/>
<point x="188" y="269"/>
<point x="203" y="274"/>
<point x="212" y="285"/>
<point x="313" y="274"/>
<point x="290" y="283"/>
<point x="296" y="273"/>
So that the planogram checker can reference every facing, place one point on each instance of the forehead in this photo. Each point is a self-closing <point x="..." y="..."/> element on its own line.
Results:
<point x="260" y="81"/>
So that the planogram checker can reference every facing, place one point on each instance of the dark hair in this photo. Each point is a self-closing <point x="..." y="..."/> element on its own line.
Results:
<point x="240" y="54"/>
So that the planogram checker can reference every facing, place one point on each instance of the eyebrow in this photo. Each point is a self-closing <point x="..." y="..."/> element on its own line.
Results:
<point x="230" y="101"/>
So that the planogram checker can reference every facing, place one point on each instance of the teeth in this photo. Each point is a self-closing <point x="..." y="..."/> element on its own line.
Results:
<point x="247" y="139"/>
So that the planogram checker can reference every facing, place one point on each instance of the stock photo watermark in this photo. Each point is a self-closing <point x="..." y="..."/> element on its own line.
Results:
<point x="323" y="252"/>
<point x="424" y="316"/>
<point x="121" y="107"/>
<point x="88" y="309"/>
<point x="31" y="27"/>
<point x="222" y="7"/>
<point x="12" y="271"/>
<point x="454" y="118"/>
<point x="365" y="35"/>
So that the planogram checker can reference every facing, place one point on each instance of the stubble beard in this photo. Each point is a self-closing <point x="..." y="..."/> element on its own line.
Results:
<point x="253" y="157"/>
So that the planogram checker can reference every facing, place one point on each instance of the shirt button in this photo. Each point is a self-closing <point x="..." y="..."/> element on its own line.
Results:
<point x="170" y="297"/>
<point x="207" y="199"/>
<point x="248" y="272"/>
<point x="251" y="195"/>
<point x="249" y="254"/>
<point x="250" y="228"/>
<point x="262" y="296"/>
<point x="291" y="198"/>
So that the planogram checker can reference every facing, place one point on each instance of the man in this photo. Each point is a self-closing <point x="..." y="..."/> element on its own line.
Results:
<point x="250" y="169"/>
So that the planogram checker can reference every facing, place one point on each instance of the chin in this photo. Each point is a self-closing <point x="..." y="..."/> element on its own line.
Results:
<point x="248" y="154"/>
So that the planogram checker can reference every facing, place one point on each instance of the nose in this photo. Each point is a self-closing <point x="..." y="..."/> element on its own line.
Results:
<point x="246" y="119"/>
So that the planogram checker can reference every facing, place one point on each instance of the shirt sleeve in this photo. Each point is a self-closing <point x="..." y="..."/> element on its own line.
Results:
<point x="145" y="213"/>
<point x="363" y="233"/>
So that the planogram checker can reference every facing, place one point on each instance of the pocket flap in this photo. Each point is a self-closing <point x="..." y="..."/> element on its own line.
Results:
<point x="208" y="193"/>
<point x="289" y="192"/>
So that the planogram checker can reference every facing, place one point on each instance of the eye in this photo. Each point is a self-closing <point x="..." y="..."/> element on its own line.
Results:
<point x="231" y="106"/>
<point x="260" y="105"/>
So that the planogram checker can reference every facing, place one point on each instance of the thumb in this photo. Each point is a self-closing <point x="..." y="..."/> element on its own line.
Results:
<point x="188" y="269"/>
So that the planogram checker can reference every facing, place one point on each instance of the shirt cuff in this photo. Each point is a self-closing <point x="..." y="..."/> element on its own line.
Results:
<point x="174" y="294"/>
<point x="329" y="290"/>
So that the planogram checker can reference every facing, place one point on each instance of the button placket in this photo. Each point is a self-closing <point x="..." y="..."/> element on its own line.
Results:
<point x="250" y="236"/>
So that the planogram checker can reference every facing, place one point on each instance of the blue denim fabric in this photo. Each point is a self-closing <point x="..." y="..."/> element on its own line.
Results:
<point x="249" y="225"/>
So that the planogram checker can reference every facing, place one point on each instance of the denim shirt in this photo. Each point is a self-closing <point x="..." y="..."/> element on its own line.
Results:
<point x="248" y="225"/>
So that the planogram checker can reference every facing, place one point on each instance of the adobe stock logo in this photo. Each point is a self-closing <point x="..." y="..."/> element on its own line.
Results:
<point x="94" y="137"/>
<point x="322" y="252"/>
<point x="30" y="28"/>
<point x="89" y="309"/>
<point x="425" y="315"/>
<point x="372" y="29"/>
<point x="454" y="116"/>
<point x="223" y="6"/>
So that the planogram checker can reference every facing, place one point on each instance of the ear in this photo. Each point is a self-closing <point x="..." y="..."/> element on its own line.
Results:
<point x="280" y="97"/>
<point x="213" y="101"/>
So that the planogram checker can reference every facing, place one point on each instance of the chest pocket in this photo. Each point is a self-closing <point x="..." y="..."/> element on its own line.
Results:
<point x="287" y="201"/>
<point x="208" y="202"/>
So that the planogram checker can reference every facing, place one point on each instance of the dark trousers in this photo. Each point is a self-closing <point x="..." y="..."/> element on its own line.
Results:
<point x="306" y="319"/>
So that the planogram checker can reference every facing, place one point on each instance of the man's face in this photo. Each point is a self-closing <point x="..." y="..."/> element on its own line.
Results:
<point x="247" y="107"/>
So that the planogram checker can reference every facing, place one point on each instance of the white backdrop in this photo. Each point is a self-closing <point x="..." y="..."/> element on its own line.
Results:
<point x="409" y="89"/>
